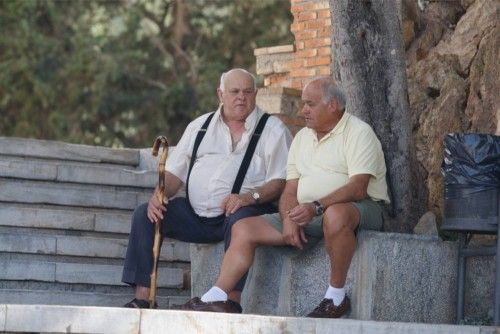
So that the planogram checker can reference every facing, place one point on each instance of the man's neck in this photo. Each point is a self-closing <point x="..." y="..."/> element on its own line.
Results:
<point x="233" y="124"/>
<point x="323" y="132"/>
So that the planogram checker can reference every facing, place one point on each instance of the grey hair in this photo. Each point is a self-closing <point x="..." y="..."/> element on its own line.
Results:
<point x="331" y="91"/>
<point x="223" y="77"/>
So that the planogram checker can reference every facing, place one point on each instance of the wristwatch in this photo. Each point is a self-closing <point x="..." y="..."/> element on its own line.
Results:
<point x="319" y="208"/>
<point x="256" y="197"/>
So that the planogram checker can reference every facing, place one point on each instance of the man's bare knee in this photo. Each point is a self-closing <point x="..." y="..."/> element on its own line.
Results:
<point x="242" y="230"/>
<point x="339" y="218"/>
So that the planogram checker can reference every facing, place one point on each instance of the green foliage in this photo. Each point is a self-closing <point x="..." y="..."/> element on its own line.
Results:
<point x="118" y="73"/>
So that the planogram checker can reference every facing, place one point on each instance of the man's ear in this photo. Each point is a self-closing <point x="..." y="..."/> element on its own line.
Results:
<point x="219" y="95"/>
<point x="333" y="105"/>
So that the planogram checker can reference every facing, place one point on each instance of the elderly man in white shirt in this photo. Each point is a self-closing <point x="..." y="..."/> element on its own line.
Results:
<point x="215" y="197"/>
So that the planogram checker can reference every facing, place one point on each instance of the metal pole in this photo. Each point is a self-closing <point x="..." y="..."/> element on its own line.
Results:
<point x="461" y="278"/>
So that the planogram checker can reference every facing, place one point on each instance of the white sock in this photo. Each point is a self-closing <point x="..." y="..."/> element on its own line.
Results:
<point x="336" y="294"/>
<point x="215" y="294"/>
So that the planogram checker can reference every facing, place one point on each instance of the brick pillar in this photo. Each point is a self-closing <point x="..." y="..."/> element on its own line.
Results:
<point x="312" y="30"/>
<point x="292" y="66"/>
<point x="287" y="68"/>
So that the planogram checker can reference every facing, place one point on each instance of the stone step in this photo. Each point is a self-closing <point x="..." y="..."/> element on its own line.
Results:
<point x="22" y="191"/>
<point x="65" y="218"/>
<point x="84" y="246"/>
<point x="63" y="171"/>
<point x="22" y="296"/>
<point x="81" y="319"/>
<point x="64" y="151"/>
<point x="80" y="273"/>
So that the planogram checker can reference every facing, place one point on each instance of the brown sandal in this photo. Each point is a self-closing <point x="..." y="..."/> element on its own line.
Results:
<point x="138" y="303"/>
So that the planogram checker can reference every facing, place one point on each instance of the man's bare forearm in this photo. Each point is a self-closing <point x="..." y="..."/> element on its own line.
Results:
<point x="288" y="199"/>
<point x="172" y="183"/>
<point x="352" y="191"/>
<point x="271" y="190"/>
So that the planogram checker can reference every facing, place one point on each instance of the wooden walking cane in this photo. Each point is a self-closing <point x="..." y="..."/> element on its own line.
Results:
<point x="160" y="194"/>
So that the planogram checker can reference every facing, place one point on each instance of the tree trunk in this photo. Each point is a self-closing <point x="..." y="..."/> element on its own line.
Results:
<point x="369" y="63"/>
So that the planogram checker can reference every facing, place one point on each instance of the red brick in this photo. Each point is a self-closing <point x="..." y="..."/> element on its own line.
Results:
<point x="296" y="63"/>
<point x="297" y="84"/>
<point x="297" y="26"/>
<point x="324" y="51"/>
<point x="306" y="53"/>
<point x="303" y="72"/>
<point x="324" y="70"/>
<point x="275" y="79"/>
<point x="323" y="14"/>
<point x="317" y="24"/>
<point x="325" y="32"/>
<point x="317" y="61"/>
<point x="297" y="8"/>
<point x="306" y="16"/>
<point x="316" y="42"/>
<point x="299" y="45"/>
<point x="325" y="4"/>
<point x="301" y="7"/>
<point x="306" y="34"/>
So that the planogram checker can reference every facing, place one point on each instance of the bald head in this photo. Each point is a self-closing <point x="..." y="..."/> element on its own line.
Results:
<point x="237" y="94"/>
<point x="228" y="74"/>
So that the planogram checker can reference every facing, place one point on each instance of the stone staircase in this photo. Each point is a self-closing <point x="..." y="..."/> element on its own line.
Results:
<point x="64" y="221"/>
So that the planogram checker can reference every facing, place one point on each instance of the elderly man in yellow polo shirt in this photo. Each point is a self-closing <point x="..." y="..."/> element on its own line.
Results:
<point x="335" y="179"/>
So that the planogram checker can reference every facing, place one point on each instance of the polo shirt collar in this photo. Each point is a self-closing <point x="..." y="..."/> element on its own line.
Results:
<point x="338" y="129"/>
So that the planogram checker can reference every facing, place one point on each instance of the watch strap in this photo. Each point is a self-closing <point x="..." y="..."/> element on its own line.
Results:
<point x="319" y="208"/>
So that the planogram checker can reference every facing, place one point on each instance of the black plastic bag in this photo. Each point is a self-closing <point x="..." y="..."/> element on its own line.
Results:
<point x="471" y="171"/>
<point x="472" y="159"/>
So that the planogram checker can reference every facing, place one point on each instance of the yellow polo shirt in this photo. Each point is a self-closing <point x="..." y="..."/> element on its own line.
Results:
<point x="323" y="166"/>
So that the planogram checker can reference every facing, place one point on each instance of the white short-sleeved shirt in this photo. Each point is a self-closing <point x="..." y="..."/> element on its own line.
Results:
<point x="323" y="166"/>
<point x="216" y="166"/>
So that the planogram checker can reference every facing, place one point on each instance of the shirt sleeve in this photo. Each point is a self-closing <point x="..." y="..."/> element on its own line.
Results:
<point x="178" y="160"/>
<point x="276" y="152"/>
<point x="291" y="170"/>
<point x="363" y="153"/>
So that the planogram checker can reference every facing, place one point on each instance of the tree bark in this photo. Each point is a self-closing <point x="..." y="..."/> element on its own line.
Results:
<point x="369" y="63"/>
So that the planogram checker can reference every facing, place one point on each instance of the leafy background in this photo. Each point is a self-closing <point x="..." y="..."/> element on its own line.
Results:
<point x="118" y="73"/>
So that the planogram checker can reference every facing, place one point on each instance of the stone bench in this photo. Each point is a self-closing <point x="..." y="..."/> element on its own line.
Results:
<point x="393" y="277"/>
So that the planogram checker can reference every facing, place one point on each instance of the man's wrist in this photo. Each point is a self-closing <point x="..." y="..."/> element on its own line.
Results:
<point x="319" y="209"/>
<point x="247" y="199"/>
<point x="256" y="196"/>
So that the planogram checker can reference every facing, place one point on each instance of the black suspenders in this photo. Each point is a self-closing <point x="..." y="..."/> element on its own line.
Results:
<point x="245" y="163"/>
<point x="249" y="154"/>
<point x="197" y="142"/>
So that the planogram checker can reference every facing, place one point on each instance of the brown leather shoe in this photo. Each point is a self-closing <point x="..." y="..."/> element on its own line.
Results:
<point x="326" y="309"/>
<point x="196" y="304"/>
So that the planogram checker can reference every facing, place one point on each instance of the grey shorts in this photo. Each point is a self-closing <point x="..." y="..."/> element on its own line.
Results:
<point x="370" y="219"/>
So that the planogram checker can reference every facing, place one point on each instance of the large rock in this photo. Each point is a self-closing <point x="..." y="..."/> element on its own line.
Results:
<point x="426" y="224"/>
<point x="435" y="23"/>
<point x="393" y="277"/>
<point x="453" y="87"/>
<point x="479" y="20"/>
<point x="483" y="103"/>
<point x="437" y="95"/>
